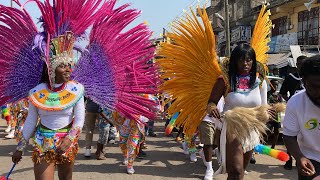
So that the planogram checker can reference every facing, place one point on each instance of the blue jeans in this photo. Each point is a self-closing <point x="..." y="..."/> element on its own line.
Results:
<point x="149" y="127"/>
<point x="104" y="128"/>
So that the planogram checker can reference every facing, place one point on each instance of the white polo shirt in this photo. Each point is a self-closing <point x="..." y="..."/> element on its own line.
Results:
<point x="302" y="119"/>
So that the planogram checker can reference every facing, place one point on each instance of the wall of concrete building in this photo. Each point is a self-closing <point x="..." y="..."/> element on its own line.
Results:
<point x="295" y="15"/>
<point x="291" y="15"/>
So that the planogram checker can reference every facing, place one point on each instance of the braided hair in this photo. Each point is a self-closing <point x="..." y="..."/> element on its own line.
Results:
<point x="242" y="51"/>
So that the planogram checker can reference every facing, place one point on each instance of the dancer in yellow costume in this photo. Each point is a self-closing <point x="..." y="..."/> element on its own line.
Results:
<point x="190" y="62"/>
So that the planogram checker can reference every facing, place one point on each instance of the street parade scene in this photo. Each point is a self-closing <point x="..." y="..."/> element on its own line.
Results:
<point x="150" y="89"/>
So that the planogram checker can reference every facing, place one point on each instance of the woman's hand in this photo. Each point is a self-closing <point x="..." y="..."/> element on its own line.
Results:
<point x="305" y="167"/>
<point x="273" y="114"/>
<point x="17" y="156"/>
<point x="215" y="113"/>
<point x="64" y="145"/>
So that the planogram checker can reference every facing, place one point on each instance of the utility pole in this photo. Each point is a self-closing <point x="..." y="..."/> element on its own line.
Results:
<point x="11" y="3"/>
<point x="227" y="27"/>
<point x="164" y="37"/>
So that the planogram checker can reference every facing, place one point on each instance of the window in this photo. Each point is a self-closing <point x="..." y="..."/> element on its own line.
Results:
<point x="280" y="26"/>
<point x="308" y="27"/>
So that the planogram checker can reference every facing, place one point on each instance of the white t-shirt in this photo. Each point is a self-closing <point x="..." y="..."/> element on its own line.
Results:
<point x="302" y="119"/>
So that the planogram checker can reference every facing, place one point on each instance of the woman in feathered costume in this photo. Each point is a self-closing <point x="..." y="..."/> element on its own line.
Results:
<point x="112" y="70"/>
<point x="197" y="82"/>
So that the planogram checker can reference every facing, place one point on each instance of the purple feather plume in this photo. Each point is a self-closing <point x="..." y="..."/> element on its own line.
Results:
<point x="21" y="66"/>
<point x="120" y="74"/>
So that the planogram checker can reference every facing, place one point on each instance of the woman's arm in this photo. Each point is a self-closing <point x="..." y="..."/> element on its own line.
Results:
<point x="263" y="93"/>
<point x="79" y="114"/>
<point x="28" y="128"/>
<point x="217" y="92"/>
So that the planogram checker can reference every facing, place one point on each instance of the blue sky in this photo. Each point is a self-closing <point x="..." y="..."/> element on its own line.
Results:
<point x="157" y="13"/>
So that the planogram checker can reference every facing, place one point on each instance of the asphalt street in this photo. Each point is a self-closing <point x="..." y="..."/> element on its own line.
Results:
<point x="164" y="161"/>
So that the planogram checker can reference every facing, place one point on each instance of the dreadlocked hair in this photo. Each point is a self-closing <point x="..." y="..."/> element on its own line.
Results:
<point x="242" y="51"/>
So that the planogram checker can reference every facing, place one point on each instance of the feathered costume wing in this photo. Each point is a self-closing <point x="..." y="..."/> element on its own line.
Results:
<point x="260" y="38"/>
<point x="17" y="32"/>
<point x="115" y="69"/>
<point x="190" y="63"/>
<point x="114" y="65"/>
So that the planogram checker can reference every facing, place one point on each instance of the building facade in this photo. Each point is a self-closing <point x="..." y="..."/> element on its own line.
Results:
<point x="294" y="23"/>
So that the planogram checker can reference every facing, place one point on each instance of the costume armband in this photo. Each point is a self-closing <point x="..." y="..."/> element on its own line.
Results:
<point x="73" y="133"/>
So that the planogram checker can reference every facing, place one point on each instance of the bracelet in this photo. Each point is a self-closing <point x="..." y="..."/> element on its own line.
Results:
<point x="73" y="133"/>
<point x="211" y="106"/>
<point x="22" y="144"/>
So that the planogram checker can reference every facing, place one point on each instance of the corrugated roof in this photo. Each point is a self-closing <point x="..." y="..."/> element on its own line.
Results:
<point x="279" y="60"/>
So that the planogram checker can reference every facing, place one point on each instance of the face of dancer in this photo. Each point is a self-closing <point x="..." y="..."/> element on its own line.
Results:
<point x="63" y="73"/>
<point x="244" y="65"/>
<point x="312" y="85"/>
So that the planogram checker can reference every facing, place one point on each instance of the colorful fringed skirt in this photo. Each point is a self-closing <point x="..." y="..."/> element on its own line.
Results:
<point x="45" y="145"/>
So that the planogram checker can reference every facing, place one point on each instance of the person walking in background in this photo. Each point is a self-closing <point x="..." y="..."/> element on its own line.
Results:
<point x="149" y="128"/>
<point x="131" y="136"/>
<point x="273" y="98"/>
<point x="104" y="126"/>
<point x="92" y="112"/>
<point x="292" y="84"/>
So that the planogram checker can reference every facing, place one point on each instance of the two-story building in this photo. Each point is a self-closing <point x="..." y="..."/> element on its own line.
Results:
<point x="294" y="24"/>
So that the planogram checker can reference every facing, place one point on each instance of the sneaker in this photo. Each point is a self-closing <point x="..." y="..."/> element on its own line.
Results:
<point x="112" y="141"/>
<point x="193" y="157"/>
<point x="130" y="170"/>
<point x="87" y="153"/>
<point x="125" y="161"/>
<point x="142" y="153"/>
<point x="185" y="148"/>
<point x="10" y="135"/>
<point x="246" y="172"/>
<point x="253" y="159"/>
<point x="8" y="129"/>
<point x="209" y="174"/>
<point x="152" y="134"/>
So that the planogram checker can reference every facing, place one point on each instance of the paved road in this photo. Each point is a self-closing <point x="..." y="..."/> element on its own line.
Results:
<point x="164" y="161"/>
